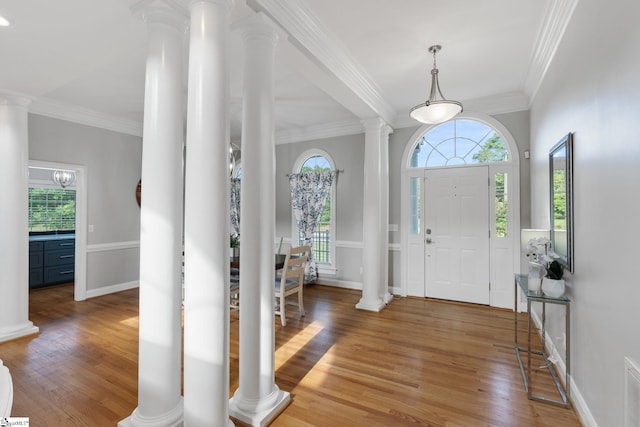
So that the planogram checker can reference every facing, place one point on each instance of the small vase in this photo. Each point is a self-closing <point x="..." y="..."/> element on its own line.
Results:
<point x="553" y="288"/>
<point x="534" y="278"/>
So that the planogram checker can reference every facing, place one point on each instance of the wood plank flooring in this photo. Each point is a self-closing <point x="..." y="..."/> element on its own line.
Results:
<point x="417" y="363"/>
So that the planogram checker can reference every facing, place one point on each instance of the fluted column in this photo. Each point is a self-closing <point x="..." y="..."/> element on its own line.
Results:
<point x="258" y="399"/>
<point x="14" y="225"/>
<point x="160" y="329"/>
<point x="206" y="304"/>
<point x="374" y="256"/>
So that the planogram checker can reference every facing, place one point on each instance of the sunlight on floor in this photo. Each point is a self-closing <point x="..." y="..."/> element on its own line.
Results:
<point x="284" y="353"/>
<point x="131" y="321"/>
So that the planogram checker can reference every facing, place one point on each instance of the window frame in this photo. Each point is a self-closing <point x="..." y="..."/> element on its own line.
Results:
<point x="322" y="267"/>
<point x="453" y="140"/>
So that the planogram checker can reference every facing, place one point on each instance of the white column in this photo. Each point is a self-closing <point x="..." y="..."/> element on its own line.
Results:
<point x="159" y="354"/>
<point x="206" y="304"/>
<point x="374" y="256"/>
<point x="385" y="295"/>
<point x="257" y="399"/>
<point x="14" y="222"/>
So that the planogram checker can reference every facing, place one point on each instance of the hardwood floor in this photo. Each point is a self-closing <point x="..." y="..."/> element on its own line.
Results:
<point x="418" y="362"/>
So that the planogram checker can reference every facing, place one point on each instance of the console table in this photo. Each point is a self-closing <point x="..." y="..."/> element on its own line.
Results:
<point x="522" y="283"/>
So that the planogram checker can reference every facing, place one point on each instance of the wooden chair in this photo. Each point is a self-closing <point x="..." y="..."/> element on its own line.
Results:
<point x="291" y="281"/>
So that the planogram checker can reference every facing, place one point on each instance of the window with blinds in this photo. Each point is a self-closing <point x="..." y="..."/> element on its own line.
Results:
<point x="52" y="209"/>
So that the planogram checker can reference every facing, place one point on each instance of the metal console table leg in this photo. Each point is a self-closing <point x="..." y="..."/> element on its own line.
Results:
<point x="521" y="283"/>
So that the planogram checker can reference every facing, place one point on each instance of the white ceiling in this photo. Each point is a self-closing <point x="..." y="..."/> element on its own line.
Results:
<point x="83" y="60"/>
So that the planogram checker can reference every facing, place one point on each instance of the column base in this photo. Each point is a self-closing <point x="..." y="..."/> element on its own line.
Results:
<point x="19" y="331"/>
<point x="387" y="298"/>
<point x="376" y="305"/>
<point x="262" y="415"/>
<point x="173" y="418"/>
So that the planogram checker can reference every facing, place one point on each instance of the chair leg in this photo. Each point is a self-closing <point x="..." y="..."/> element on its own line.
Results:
<point x="283" y="318"/>
<point x="300" y="304"/>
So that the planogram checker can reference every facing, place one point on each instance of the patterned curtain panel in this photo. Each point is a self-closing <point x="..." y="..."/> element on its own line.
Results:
<point x="235" y="206"/>
<point x="309" y="193"/>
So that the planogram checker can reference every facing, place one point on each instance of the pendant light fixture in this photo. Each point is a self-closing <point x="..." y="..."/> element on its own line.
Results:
<point x="434" y="110"/>
<point x="63" y="178"/>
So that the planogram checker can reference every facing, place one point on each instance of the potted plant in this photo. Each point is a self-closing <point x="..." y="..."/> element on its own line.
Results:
<point x="234" y="245"/>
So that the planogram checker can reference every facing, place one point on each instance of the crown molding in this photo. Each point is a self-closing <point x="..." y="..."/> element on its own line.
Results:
<point x="58" y="110"/>
<point x="314" y="37"/>
<point x="498" y="104"/>
<point x="555" y="22"/>
<point x="326" y="130"/>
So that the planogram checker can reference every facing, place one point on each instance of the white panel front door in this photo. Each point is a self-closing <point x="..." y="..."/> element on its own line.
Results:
<point x="456" y="232"/>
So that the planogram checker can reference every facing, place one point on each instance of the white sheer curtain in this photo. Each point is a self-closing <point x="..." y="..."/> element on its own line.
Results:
<point x="309" y="192"/>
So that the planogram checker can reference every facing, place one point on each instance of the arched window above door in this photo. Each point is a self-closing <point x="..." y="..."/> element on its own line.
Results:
<point x="459" y="142"/>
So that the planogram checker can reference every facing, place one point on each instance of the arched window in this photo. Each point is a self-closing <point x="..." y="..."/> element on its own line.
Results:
<point x="324" y="237"/>
<point x="459" y="142"/>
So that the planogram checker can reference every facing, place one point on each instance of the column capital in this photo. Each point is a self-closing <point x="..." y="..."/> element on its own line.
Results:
<point x="227" y="5"/>
<point x="259" y="27"/>
<point x="165" y="12"/>
<point x="374" y="123"/>
<point x="15" y="99"/>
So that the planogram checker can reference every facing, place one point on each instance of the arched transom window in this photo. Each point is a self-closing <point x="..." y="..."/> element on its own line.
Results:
<point x="459" y="142"/>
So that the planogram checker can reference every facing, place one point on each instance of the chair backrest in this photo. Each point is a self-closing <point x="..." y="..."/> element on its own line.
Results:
<point x="282" y="248"/>
<point x="295" y="263"/>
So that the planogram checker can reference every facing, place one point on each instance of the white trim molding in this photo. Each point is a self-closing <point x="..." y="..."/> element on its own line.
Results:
<point x="327" y="130"/>
<point x="114" y="246"/>
<point x="555" y="22"/>
<point x="71" y="113"/>
<point x="105" y="290"/>
<point x="300" y="22"/>
<point x="337" y="283"/>
<point x="348" y="244"/>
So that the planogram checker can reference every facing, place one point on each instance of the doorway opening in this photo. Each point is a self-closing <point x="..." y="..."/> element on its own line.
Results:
<point x="57" y="226"/>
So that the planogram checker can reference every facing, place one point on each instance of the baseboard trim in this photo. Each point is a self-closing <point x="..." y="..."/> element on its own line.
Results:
<point x="105" y="290"/>
<point x="323" y="280"/>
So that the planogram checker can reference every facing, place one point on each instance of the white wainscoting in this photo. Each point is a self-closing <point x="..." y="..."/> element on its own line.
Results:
<point x="116" y="287"/>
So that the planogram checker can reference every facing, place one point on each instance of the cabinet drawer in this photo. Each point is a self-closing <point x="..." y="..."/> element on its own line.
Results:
<point x="36" y="246"/>
<point x="36" y="259"/>
<point x="35" y="276"/>
<point x="52" y="245"/>
<point x="62" y="273"/>
<point x="64" y="256"/>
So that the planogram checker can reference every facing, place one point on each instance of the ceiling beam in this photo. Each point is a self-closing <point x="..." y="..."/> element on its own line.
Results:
<point x="323" y="59"/>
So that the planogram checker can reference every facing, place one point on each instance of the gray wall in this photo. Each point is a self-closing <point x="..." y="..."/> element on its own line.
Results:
<point x="113" y="164"/>
<point x="592" y="89"/>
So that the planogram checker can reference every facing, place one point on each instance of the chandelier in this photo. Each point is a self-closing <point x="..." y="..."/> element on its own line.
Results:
<point x="434" y="111"/>
<point x="64" y="178"/>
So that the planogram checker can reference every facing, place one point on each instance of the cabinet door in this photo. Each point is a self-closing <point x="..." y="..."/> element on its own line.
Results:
<point x="59" y="274"/>
<point x="53" y="245"/>
<point x="60" y="257"/>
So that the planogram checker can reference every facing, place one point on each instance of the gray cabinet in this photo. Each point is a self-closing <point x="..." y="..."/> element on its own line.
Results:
<point x="51" y="260"/>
